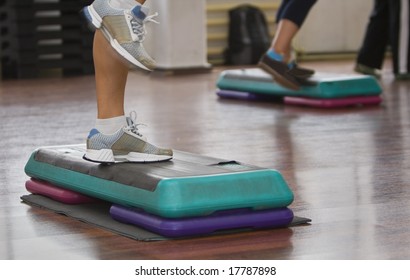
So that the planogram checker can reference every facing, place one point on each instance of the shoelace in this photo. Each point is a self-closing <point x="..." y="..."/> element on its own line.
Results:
<point x="132" y="125"/>
<point x="138" y="27"/>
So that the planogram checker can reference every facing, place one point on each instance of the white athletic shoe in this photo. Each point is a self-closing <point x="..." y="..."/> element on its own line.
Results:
<point x="127" y="144"/>
<point x="124" y="29"/>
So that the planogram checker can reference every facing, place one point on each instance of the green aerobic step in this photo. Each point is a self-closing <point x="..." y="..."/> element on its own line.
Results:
<point x="320" y="85"/>
<point x="188" y="185"/>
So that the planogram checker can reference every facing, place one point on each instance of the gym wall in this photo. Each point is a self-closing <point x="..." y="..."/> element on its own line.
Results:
<point x="333" y="28"/>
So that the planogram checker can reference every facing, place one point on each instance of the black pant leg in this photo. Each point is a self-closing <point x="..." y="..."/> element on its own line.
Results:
<point x="282" y="7"/>
<point x="376" y="37"/>
<point x="399" y="32"/>
<point x="295" y="10"/>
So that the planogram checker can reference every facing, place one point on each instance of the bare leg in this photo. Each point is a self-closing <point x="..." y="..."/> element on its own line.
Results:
<point x="278" y="59"/>
<point x="121" y="139"/>
<point x="110" y="77"/>
<point x="282" y="42"/>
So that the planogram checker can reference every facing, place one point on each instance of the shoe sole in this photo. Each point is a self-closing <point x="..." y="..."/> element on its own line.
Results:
<point x="363" y="71"/>
<point x="96" y="22"/>
<point x="278" y="77"/>
<point x="302" y="76"/>
<point x="107" y="156"/>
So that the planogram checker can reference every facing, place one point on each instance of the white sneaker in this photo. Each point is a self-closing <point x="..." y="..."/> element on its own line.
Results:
<point x="127" y="144"/>
<point x="124" y="29"/>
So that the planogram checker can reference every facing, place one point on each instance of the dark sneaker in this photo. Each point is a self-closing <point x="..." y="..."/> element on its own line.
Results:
<point x="402" y="76"/>
<point x="300" y="72"/>
<point x="279" y="71"/>
<point x="366" y="70"/>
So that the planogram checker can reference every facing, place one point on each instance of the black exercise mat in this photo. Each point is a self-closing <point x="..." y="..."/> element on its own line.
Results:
<point x="98" y="214"/>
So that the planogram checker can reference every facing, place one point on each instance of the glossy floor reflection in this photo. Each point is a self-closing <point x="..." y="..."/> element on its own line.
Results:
<point x="349" y="168"/>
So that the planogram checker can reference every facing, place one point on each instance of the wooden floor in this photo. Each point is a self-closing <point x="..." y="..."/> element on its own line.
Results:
<point x="349" y="168"/>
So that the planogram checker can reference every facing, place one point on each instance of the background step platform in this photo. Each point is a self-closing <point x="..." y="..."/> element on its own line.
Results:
<point x="333" y="102"/>
<point x="303" y="101"/>
<point x="321" y="85"/>
<point x="189" y="185"/>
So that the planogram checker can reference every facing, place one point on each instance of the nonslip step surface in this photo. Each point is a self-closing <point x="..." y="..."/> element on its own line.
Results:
<point x="320" y="85"/>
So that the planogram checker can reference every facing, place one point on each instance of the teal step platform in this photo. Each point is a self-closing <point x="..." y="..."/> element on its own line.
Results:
<point x="189" y="185"/>
<point x="320" y="85"/>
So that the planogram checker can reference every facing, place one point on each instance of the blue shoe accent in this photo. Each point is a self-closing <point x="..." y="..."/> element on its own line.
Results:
<point x="88" y="18"/>
<point x="274" y="55"/>
<point x="92" y="133"/>
<point x="138" y="13"/>
<point x="86" y="14"/>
